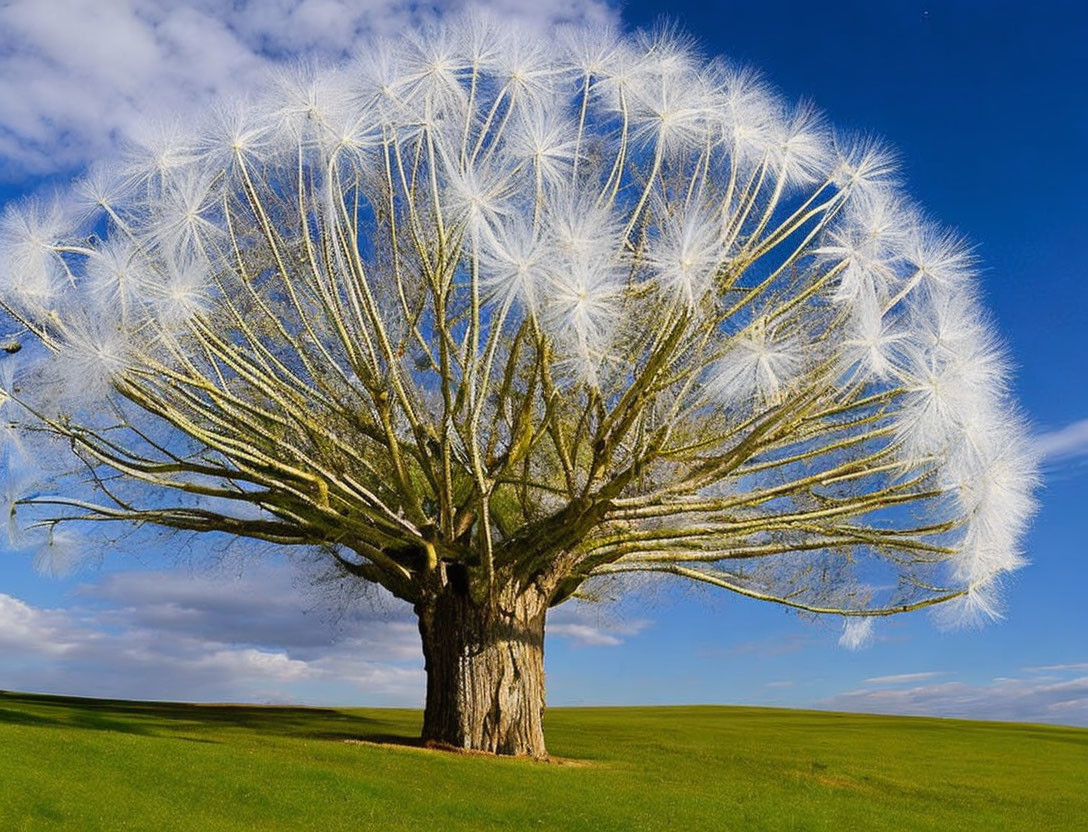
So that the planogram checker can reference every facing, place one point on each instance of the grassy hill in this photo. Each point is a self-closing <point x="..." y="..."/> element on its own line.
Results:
<point x="87" y="765"/>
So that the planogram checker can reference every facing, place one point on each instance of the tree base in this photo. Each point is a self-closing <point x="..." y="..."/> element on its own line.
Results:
<point x="485" y="673"/>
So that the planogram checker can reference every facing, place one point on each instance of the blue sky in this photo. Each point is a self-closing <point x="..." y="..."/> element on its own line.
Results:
<point x="985" y="103"/>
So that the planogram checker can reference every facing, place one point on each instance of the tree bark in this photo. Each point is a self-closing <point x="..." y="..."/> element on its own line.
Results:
<point x="485" y="671"/>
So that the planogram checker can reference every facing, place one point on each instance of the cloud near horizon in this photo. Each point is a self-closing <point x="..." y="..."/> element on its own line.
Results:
<point x="900" y="678"/>
<point x="79" y="76"/>
<point x="1049" y="668"/>
<point x="261" y="635"/>
<point x="1059" y="698"/>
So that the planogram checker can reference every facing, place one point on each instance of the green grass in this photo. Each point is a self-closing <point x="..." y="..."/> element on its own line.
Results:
<point x="86" y="765"/>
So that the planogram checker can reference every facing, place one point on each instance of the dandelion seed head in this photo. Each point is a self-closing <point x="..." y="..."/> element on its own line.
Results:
<point x="57" y="554"/>
<point x="686" y="254"/>
<point x="857" y="632"/>
<point x="31" y="270"/>
<point x="758" y="367"/>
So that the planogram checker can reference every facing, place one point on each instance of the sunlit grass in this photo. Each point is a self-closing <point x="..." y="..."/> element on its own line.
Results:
<point x="97" y="765"/>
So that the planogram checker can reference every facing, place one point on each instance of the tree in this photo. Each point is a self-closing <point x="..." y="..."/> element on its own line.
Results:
<point x="488" y="316"/>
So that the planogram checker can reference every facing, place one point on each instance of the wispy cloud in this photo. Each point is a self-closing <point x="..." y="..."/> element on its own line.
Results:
<point x="78" y="75"/>
<point x="593" y="625"/>
<point x="1063" y="444"/>
<point x="1058" y="668"/>
<point x="900" y="678"/>
<point x="1036" y="699"/>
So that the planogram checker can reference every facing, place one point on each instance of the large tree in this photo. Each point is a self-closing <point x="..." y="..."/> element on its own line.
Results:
<point x="487" y="314"/>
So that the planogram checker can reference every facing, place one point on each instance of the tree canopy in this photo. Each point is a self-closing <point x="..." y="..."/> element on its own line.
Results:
<point x="538" y="307"/>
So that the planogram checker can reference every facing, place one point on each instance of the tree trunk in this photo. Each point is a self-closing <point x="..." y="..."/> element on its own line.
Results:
<point x="485" y="672"/>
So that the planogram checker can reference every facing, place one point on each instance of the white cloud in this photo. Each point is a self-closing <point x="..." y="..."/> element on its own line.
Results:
<point x="270" y="605"/>
<point x="256" y="664"/>
<point x="78" y="75"/>
<point x="264" y="633"/>
<point x="900" y="678"/>
<point x="1038" y="699"/>
<point x="23" y="627"/>
<point x="1049" y="668"/>
<point x="592" y="625"/>
<point x="258" y="635"/>
<point x="1065" y="443"/>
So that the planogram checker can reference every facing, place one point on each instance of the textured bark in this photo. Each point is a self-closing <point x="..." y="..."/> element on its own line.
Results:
<point x="485" y="672"/>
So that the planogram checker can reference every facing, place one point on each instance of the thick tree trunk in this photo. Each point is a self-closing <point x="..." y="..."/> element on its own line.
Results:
<point x="485" y="672"/>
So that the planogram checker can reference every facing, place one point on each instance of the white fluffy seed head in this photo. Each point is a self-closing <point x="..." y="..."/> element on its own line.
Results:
<point x="116" y="276"/>
<point x="857" y="632"/>
<point x="477" y="198"/>
<point x="582" y="302"/>
<point x="32" y="271"/>
<point x="156" y="150"/>
<point x="873" y="341"/>
<point x="864" y="163"/>
<point x="57" y="553"/>
<point x="686" y="254"/>
<point x="759" y="367"/>
<point x="235" y="130"/>
<point x="515" y="261"/>
<point x="547" y="142"/>
<point x="800" y="150"/>
<point x="92" y="354"/>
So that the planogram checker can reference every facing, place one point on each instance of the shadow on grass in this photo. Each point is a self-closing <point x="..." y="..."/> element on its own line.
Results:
<point x="184" y="720"/>
<point x="11" y="717"/>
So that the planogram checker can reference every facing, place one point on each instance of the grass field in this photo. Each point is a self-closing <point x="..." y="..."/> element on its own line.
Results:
<point x="85" y="764"/>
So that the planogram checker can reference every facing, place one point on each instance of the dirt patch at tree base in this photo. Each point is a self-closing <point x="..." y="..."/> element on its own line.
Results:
<point x="432" y="747"/>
